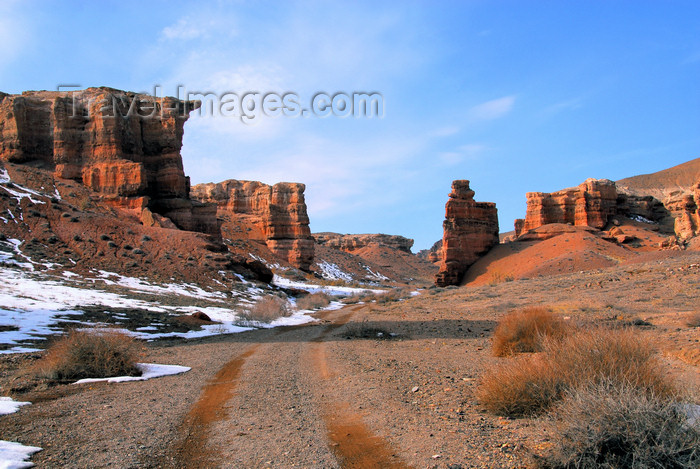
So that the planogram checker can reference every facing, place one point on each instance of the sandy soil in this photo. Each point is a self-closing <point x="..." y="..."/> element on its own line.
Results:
<point x="336" y="394"/>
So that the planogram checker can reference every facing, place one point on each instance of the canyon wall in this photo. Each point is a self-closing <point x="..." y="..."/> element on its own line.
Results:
<point x="122" y="145"/>
<point x="352" y="242"/>
<point x="596" y="202"/>
<point x="470" y="229"/>
<point x="279" y="211"/>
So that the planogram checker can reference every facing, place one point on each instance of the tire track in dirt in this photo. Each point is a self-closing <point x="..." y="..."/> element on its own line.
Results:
<point x="351" y="441"/>
<point x="193" y="450"/>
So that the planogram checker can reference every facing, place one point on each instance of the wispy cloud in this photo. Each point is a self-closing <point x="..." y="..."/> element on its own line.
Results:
<point x="493" y="109"/>
<point x="446" y="131"/>
<point x="565" y="105"/>
<point x="184" y="29"/>
<point x="463" y="153"/>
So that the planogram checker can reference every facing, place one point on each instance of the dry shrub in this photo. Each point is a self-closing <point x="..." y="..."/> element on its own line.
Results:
<point x="267" y="310"/>
<point x="531" y="384"/>
<point x="314" y="301"/>
<point x="524" y="331"/>
<point x="365" y="296"/>
<point x="96" y="353"/>
<point x="693" y="319"/>
<point x="395" y="294"/>
<point x="613" y="425"/>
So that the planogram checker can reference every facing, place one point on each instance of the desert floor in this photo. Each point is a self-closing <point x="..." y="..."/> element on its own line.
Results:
<point x="365" y="386"/>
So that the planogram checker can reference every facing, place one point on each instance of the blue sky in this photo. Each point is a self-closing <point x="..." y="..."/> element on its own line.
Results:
<point x="515" y="96"/>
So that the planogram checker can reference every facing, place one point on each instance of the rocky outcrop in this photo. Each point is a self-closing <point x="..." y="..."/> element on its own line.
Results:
<point x="124" y="146"/>
<point x="353" y="242"/>
<point x="470" y="230"/>
<point x="597" y="201"/>
<point x="434" y="254"/>
<point x="589" y="204"/>
<point x="684" y="206"/>
<point x="279" y="211"/>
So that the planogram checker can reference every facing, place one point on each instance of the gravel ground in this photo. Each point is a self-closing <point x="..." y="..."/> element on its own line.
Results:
<point x="335" y="394"/>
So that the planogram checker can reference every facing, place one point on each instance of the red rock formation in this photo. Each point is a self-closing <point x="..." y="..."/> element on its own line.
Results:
<point x="122" y="145"/>
<point x="279" y="211"/>
<point x="433" y="255"/>
<point x="353" y="242"/>
<point x="684" y="206"/>
<point x="470" y="229"/>
<point x="589" y="204"/>
<point x="595" y="202"/>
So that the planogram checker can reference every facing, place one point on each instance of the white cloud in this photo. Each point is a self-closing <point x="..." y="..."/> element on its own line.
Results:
<point x="493" y="109"/>
<point x="190" y="28"/>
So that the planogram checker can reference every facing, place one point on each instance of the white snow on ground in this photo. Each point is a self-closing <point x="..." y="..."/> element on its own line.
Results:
<point x="333" y="272"/>
<point x="375" y="275"/>
<point x="15" y="455"/>
<point x="148" y="370"/>
<point x="138" y="284"/>
<point x="4" y="177"/>
<point x="312" y="288"/>
<point x="641" y="219"/>
<point x="10" y="406"/>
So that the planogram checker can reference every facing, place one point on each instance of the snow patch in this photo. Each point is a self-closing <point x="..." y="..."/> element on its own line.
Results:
<point x="312" y="288"/>
<point x="10" y="406"/>
<point x="333" y="272"/>
<point x="15" y="455"/>
<point x="148" y="370"/>
<point x="641" y="219"/>
<point x="375" y="275"/>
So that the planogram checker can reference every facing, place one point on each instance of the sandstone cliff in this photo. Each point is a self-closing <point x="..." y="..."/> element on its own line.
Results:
<point x="470" y="229"/>
<point x="434" y="254"/>
<point x="124" y="146"/>
<point x="597" y="202"/>
<point x="353" y="242"/>
<point x="589" y="204"/>
<point x="278" y="211"/>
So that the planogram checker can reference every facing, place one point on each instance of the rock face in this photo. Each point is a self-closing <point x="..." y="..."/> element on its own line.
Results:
<point x="684" y="206"/>
<point x="434" y="254"/>
<point x="470" y="229"/>
<point x="279" y="211"/>
<point x="353" y="242"/>
<point x="124" y="146"/>
<point x="589" y="204"/>
<point x="595" y="202"/>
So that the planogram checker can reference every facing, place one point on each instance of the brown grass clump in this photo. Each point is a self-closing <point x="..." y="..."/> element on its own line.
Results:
<point x="365" y="296"/>
<point x="532" y="384"/>
<point x="267" y="310"/>
<point x="314" y="301"/>
<point x="524" y="331"/>
<point x="395" y="294"/>
<point x="610" y="424"/>
<point x="97" y="353"/>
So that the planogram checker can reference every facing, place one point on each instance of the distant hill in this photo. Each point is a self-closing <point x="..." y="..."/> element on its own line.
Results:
<point x="662" y="183"/>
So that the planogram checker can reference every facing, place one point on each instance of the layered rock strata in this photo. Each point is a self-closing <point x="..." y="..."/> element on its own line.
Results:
<point x="470" y="230"/>
<point x="122" y="145"/>
<point x="353" y="242"/>
<point x="279" y="211"/>
<point x="597" y="201"/>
